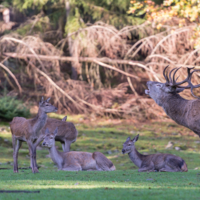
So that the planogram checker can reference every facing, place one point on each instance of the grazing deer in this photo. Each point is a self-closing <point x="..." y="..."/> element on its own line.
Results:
<point x="28" y="130"/>
<point x="182" y="111"/>
<point x="75" y="160"/>
<point x="154" y="162"/>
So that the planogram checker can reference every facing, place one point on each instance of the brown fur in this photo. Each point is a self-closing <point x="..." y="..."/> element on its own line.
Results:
<point x="28" y="130"/>
<point x="100" y="158"/>
<point x="67" y="132"/>
<point x="182" y="111"/>
<point x="65" y="129"/>
<point x="154" y="162"/>
<point x="184" y="167"/>
<point x="74" y="160"/>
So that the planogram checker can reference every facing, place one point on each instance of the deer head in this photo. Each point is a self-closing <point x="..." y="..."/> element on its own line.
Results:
<point x="46" y="106"/>
<point x="159" y="91"/>
<point x="49" y="138"/>
<point x="127" y="146"/>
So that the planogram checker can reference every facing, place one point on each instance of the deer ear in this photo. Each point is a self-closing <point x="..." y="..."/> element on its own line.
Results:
<point x="42" y="101"/>
<point x="178" y="90"/>
<point x="56" y="131"/>
<point x="64" y="119"/>
<point x="47" y="131"/>
<point x="128" y="139"/>
<point x="48" y="99"/>
<point x="135" y="139"/>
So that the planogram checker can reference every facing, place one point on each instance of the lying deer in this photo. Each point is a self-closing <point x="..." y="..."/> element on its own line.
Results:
<point x="75" y="160"/>
<point x="154" y="162"/>
<point x="28" y="130"/>
<point x="182" y="111"/>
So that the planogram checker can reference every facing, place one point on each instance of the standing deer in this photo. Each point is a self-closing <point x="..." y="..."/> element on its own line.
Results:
<point x="182" y="111"/>
<point x="154" y="162"/>
<point x="28" y="130"/>
<point x="67" y="132"/>
<point x="75" y="160"/>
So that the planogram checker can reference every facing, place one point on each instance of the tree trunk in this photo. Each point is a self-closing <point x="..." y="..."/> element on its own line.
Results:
<point x="74" y="74"/>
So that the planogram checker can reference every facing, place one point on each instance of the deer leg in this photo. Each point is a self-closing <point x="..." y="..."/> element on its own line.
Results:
<point x="38" y="141"/>
<point x="34" y="160"/>
<point x="168" y="169"/>
<point x="75" y="168"/>
<point x="63" y="146"/>
<point x="32" y="152"/>
<point x="66" y="146"/>
<point x="145" y="168"/>
<point x="16" y="147"/>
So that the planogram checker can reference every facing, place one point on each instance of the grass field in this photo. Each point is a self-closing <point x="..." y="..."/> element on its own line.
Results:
<point x="106" y="136"/>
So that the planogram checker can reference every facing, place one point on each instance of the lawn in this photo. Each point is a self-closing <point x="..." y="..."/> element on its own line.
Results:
<point x="106" y="136"/>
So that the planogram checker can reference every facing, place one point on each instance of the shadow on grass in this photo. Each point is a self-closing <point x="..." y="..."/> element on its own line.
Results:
<point x="104" y="193"/>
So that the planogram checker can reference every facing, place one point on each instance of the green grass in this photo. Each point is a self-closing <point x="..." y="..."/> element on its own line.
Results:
<point x="126" y="183"/>
<point x="119" y="184"/>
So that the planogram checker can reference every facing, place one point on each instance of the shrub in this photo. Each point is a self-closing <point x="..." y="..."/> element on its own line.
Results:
<point x="11" y="107"/>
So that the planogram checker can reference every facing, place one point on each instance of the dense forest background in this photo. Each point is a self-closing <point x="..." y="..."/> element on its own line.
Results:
<point x="94" y="56"/>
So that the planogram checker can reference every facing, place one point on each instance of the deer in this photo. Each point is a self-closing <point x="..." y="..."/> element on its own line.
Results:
<point x="28" y="130"/>
<point x="75" y="160"/>
<point x="154" y="162"/>
<point x="182" y="111"/>
<point x="67" y="132"/>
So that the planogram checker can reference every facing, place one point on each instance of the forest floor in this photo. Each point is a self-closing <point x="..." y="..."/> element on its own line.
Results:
<point x="107" y="136"/>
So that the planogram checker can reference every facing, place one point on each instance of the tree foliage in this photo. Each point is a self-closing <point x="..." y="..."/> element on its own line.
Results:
<point x="183" y="11"/>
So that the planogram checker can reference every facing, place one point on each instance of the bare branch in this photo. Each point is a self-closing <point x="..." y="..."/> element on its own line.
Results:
<point x="13" y="76"/>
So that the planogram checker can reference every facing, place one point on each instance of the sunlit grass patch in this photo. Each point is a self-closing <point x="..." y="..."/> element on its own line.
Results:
<point x="97" y="185"/>
<point x="125" y="183"/>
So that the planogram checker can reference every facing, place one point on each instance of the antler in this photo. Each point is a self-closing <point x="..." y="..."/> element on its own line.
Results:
<point x="172" y="82"/>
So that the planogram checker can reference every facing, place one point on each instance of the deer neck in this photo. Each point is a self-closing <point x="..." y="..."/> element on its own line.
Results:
<point x="176" y="108"/>
<point x="135" y="157"/>
<point x="56" y="156"/>
<point x="39" y="121"/>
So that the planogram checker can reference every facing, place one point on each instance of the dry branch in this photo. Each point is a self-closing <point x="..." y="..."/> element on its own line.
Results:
<point x="82" y="59"/>
<point x="13" y="76"/>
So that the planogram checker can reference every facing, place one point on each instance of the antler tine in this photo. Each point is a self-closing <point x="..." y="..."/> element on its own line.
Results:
<point x="164" y="74"/>
<point x="170" y="75"/>
<point x="174" y="81"/>
<point x="184" y="81"/>
<point x="190" y="85"/>
<point x="177" y="78"/>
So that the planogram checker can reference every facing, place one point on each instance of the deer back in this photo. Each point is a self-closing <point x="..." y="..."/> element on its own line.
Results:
<point x="65" y="129"/>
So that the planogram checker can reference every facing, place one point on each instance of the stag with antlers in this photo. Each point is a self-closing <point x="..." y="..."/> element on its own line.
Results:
<point x="182" y="111"/>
